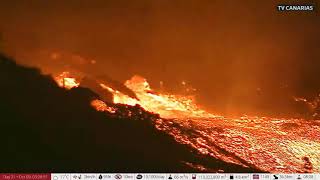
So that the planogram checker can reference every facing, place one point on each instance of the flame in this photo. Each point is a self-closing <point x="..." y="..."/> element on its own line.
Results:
<point x="167" y="105"/>
<point x="102" y="106"/>
<point x="66" y="81"/>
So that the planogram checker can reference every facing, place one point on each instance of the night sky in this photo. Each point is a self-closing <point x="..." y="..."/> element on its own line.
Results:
<point x="241" y="56"/>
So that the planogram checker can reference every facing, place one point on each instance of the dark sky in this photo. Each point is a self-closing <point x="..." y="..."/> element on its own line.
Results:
<point x="224" y="48"/>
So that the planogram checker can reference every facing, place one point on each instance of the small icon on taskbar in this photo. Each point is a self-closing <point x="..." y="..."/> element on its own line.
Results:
<point x="275" y="176"/>
<point x="118" y="176"/>
<point x="139" y="176"/>
<point x="194" y="176"/>
<point x="76" y="176"/>
<point x="255" y="176"/>
<point x="231" y="177"/>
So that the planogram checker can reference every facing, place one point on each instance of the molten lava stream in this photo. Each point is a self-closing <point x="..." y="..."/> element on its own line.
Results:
<point x="167" y="105"/>
<point x="269" y="144"/>
<point x="66" y="81"/>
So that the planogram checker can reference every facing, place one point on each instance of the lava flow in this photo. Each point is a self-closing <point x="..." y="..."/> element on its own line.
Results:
<point x="66" y="81"/>
<point x="167" y="105"/>
<point x="268" y="144"/>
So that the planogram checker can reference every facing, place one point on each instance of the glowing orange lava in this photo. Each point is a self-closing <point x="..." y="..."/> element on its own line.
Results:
<point x="167" y="105"/>
<point x="269" y="144"/>
<point x="102" y="106"/>
<point x="66" y="81"/>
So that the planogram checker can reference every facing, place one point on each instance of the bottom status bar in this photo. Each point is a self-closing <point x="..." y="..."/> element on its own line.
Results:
<point x="157" y="176"/>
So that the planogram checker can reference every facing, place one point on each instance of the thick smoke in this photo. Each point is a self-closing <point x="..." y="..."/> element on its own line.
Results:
<point x="243" y="57"/>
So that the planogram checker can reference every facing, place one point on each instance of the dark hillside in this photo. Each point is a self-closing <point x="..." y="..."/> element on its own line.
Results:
<point x="46" y="128"/>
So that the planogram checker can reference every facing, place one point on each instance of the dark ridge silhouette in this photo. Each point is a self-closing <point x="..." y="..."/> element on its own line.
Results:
<point x="45" y="128"/>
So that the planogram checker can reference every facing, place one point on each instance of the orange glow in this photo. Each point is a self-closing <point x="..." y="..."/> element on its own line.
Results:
<point x="269" y="144"/>
<point x="101" y="106"/>
<point x="66" y="81"/>
<point x="167" y="105"/>
<point x="276" y="145"/>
